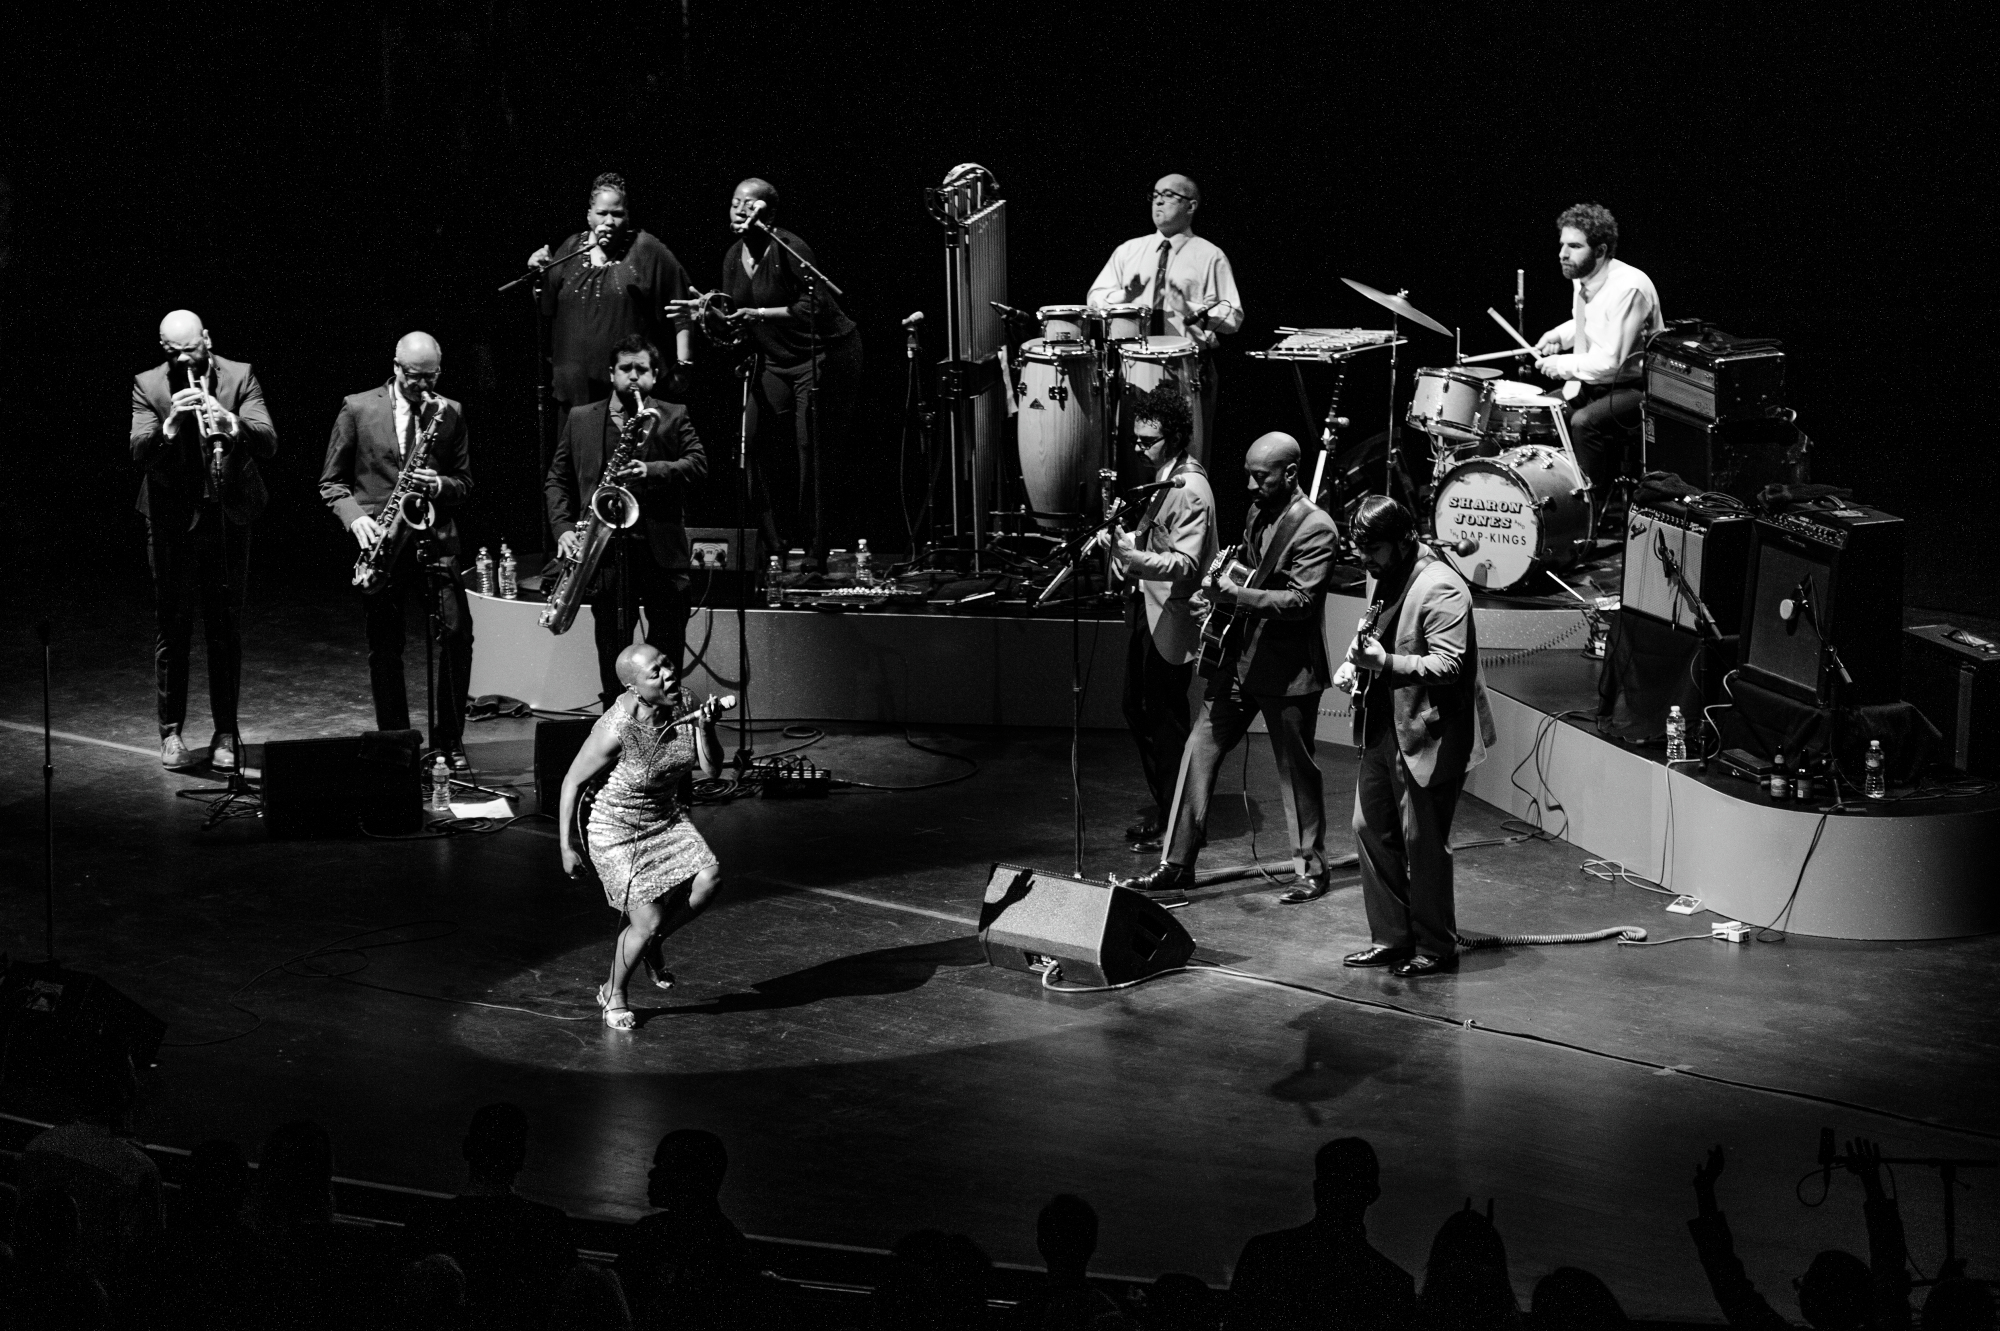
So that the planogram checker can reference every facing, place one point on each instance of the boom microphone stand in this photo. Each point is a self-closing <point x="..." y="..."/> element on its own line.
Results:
<point x="48" y="805"/>
<point x="543" y="369"/>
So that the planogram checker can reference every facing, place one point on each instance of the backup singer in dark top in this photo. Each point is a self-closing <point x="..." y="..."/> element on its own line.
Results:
<point x="623" y="285"/>
<point x="810" y="354"/>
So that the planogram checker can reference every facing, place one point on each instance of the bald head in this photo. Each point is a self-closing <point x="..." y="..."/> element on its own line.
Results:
<point x="756" y="187"/>
<point x="419" y="351"/>
<point x="635" y="663"/>
<point x="1274" y="450"/>
<point x="1272" y="467"/>
<point x="1175" y="199"/>
<point x="181" y="326"/>
<point x="1179" y="184"/>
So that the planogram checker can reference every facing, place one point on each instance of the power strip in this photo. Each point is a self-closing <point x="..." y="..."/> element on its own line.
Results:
<point x="1732" y="931"/>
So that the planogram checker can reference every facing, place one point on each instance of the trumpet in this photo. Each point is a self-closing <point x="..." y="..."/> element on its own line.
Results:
<point x="613" y="508"/>
<point x="206" y="420"/>
<point x="405" y="510"/>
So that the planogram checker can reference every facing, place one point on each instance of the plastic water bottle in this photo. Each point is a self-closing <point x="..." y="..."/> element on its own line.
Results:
<point x="1677" y="736"/>
<point x="510" y="588"/>
<point x="483" y="568"/>
<point x="440" y="785"/>
<point x="774" y="590"/>
<point x="864" y="564"/>
<point x="1875" y="781"/>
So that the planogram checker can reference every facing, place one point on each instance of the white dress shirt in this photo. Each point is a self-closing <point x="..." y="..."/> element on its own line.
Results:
<point x="400" y="405"/>
<point x="1612" y="313"/>
<point x="1198" y="274"/>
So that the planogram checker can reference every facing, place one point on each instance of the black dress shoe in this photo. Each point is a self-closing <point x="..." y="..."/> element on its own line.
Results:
<point x="1310" y="890"/>
<point x="1145" y="830"/>
<point x="1416" y="968"/>
<point x="1165" y="878"/>
<point x="1141" y="847"/>
<point x="455" y="756"/>
<point x="1378" y="956"/>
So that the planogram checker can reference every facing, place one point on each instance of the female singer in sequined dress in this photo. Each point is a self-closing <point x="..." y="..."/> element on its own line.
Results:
<point x="654" y="864"/>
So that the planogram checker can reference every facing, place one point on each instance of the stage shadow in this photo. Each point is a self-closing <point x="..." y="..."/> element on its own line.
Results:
<point x="893" y="970"/>
<point x="1336" y="1059"/>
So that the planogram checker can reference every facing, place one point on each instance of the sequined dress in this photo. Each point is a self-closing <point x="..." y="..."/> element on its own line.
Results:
<point x="641" y="840"/>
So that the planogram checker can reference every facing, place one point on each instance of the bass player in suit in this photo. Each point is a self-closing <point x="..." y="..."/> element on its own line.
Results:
<point x="1166" y="555"/>
<point x="1278" y="671"/>
<point x="1421" y="722"/>
<point x="199" y="427"/>
<point x="372" y="436"/>
<point x="647" y="564"/>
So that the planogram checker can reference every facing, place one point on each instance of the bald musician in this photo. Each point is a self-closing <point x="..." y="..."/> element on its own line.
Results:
<point x="1278" y="672"/>
<point x="1185" y="280"/>
<point x="199" y="426"/>
<point x="372" y="437"/>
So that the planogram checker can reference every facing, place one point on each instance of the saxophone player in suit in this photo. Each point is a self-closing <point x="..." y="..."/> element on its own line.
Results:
<point x="648" y="563"/>
<point x="373" y="435"/>
<point x="199" y="427"/>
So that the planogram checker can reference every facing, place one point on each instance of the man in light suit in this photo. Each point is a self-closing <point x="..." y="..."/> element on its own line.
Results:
<point x="1421" y="723"/>
<point x="373" y="434"/>
<point x="646" y="564"/>
<point x="200" y="494"/>
<point x="1167" y="554"/>
<point x="1279" y="673"/>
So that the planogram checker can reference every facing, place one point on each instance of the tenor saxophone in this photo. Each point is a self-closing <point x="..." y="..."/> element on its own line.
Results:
<point x="404" y="511"/>
<point x="613" y="508"/>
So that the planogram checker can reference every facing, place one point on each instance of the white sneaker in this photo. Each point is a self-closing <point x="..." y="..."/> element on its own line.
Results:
<point x="174" y="754"/>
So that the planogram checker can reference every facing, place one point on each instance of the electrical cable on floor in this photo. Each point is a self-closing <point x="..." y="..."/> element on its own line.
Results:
<point x="972" y="770"/>
<point x="341" y="945"/>
<point x="1791" y="899"/>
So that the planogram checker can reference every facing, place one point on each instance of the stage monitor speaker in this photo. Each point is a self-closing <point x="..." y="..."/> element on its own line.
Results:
<point x="1953" y="678"/>
<point x="1848" y="563"/>
<point x="341" y="786"/>
<point x="61" y="1021"/>
<point x="1098" y="933"/>
<point x="1710" y="545"/>
<point x="1738" y="457"/>
<point x="556" y="745"/>
<point x="720" y="574"/>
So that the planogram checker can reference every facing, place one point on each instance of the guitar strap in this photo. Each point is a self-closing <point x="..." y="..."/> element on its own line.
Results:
<point x="1281" y="540"/>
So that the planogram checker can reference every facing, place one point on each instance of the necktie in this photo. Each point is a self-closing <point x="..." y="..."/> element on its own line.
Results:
<point x="409" y="430"/>
<point x="1160" y="288"/>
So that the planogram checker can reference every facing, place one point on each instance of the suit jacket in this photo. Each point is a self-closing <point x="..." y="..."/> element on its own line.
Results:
<point x="1284" y="654"/>
<point x="176" y="472"/>
<point x="1318" y="1276"/>
<point x="364" y="458"/>
<point x="1442" y="717"/>
<point x="1174" y="548"/>
<point x="673" y="456"/>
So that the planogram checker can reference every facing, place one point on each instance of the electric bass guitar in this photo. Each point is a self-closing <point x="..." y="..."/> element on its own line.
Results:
<point x="1223" y="625"/>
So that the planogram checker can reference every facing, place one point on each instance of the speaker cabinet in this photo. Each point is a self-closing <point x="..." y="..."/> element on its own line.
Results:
<point x="556" y="745"/>
<point x="1953" y="677"/>
<point x="1099" y="933"/>
<point x="63" y="1022"/>
<point x="1710" y="546"/>
<point x="1738" y="457"/>
<point x="1847" y="563"/>
<point x="336" y="787"/>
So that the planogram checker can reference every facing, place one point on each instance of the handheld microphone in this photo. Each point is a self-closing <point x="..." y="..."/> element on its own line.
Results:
<point x="1464" y="547"/>
<point x="1200" y="316"/>
<point x="1150" y="486"/>
<point x="1009" y="312"/>
<point x="914" y="320"/>
<point x="750" y="218"/>
<point x="726" y="703"/>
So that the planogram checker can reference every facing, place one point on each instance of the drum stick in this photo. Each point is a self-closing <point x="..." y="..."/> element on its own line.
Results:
<point x="1511" y="330"/>
<point x="1497" y="355"/>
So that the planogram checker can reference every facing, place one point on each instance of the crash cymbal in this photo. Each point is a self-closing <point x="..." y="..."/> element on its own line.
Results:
<point x="1398" y="305"/>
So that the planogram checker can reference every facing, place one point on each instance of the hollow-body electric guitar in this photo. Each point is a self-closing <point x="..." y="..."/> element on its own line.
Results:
<point x="1222" y="625"/>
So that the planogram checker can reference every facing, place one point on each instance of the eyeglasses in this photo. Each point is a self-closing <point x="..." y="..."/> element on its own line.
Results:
<point x="1162" y="195"/>
<point x="418" y="376"/>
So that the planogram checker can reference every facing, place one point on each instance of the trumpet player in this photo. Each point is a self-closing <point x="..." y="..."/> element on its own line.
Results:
<point x="199" y="427"/>
<point x="373" y="435"/>
<point x="647" y="562"/>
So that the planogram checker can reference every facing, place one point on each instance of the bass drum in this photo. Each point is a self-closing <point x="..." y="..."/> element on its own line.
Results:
<point x="1525" y="511"/>
<point x="1060" y="425"/>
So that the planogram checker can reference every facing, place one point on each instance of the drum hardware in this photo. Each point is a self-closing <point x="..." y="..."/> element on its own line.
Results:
<point x="1399" y="307"/>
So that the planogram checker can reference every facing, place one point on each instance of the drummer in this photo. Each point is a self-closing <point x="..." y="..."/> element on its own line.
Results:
<point x="1184" y="280"/>
<point x="1613" y="311"/>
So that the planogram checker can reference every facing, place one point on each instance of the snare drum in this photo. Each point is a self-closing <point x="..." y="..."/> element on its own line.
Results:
<point x="1525" y="509"/>
<point x="1060" y="426"/>
<point x="1521" y="415"/>
<point x="1068" y="323"/>
<point x="1127" y="323"/>
<point x="1453" y="403"/>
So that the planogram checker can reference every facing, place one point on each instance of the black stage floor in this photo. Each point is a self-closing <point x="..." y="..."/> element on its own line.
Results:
<point x="836" y="1025"/>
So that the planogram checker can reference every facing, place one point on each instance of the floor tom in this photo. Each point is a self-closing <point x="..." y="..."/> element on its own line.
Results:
<point x="1525" y="511"/>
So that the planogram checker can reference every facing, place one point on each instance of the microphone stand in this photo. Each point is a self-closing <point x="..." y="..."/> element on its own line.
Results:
<point x="42" y="629"/>
<point x="1828" y="654"/>
<point x="543" y="370"/>
<point x="814" y="280"/>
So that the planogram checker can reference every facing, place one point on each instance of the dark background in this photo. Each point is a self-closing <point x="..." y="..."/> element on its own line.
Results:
<point x="316" y="183"/>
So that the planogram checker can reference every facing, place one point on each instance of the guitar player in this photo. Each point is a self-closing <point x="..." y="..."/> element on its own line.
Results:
<point x="1421" y="722"/>
<point x="1272" y="663"/>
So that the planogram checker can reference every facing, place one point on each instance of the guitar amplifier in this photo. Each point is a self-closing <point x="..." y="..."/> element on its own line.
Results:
<point x="1706" y="373"/>
<point x="1711" y="546"/>
<point x="1953" y="677"/>
<point x="1735" y="457"/>
<point x="1847" y="563"/>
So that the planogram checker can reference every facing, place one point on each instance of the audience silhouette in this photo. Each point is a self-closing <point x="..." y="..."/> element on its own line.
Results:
<point x="1466" y="1284"/>
<point x="1571" y="1299"/>
<point x="1066" y="1236"/>
<point x="1324" y="1273"/>
<point x="687" y="1265"/>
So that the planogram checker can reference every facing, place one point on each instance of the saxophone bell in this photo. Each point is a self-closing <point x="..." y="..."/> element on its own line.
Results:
<point x="614" y="506"/>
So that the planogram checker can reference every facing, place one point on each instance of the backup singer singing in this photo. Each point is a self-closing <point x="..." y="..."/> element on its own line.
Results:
<point x="373" y="433"/>
<point x="655" y="866"/>
<point x="621" y="285"/>
<point x="199" y="427"/>
<point x="811" y="371"/>
<point x="648" y="563"/>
